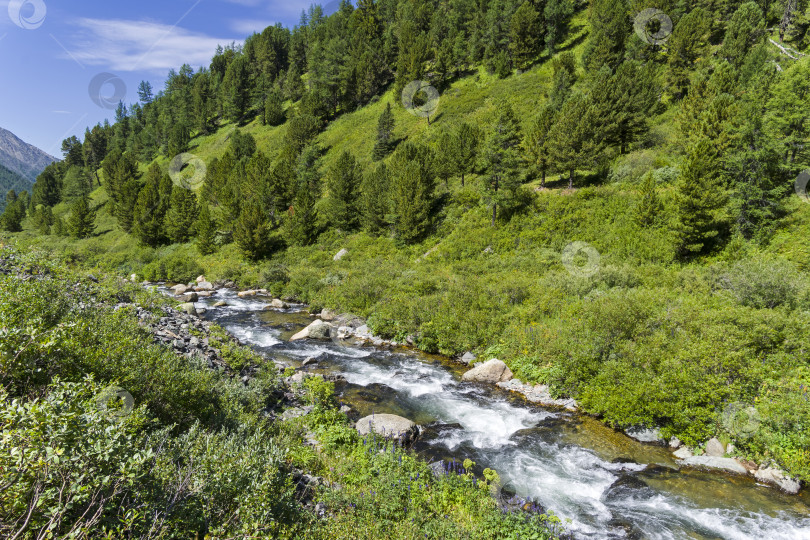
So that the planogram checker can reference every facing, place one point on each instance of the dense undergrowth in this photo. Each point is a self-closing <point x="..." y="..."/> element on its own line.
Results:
<point x="195" y="454"/>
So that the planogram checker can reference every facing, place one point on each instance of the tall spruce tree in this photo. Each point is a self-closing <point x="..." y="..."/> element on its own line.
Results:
<point x="274" y="108"/>
<point x="525" y="36"/>
<point x="251" y="232"/>
<point x="181" y="215"/>
<point x="343" y="181"/>
<point x="699" y="197"/>
<point x="150" y="208"/>
<point x="757" y="176"/>
<point x="300" y="222"/>
<point x="466" y="142"/>
<point x="570" y="138"/>
<point x="537" y="141"/>
<point x="501" y="162"/>
<point x="413" y="192"/>
<point x="375" y="201"/>
<point x="687" y="44"/>
<point x="81" y="222"/>
<point x="206" y="229"/>
<point x="385" y="134"/>
<point x="610" y="28"/>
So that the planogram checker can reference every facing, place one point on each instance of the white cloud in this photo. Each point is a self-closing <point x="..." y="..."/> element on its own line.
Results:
<point x="245" y="27"/>
<point x="126" y="45"/>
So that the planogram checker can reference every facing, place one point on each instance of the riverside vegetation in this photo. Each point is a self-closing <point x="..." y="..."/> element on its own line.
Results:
<point x="195" y="452"/>
<point x="676" y="161"/>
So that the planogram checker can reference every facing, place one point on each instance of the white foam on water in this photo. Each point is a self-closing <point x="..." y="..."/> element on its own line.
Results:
<point x="668" y="518"/>
<point x="412" y="379"/>
<point x="316" y="350"/>
<point x="262" y="337"/>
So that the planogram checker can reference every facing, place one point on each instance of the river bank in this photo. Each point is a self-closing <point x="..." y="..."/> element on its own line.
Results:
<point x="348" y="349"/>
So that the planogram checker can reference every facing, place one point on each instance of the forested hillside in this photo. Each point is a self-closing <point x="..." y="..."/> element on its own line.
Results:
<point x="609" y="196"/>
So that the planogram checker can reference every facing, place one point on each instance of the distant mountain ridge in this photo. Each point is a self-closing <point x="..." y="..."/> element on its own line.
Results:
<point x="22" y="158"/>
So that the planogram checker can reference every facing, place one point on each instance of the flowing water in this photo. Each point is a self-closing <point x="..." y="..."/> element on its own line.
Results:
<point x="606" y="484"/>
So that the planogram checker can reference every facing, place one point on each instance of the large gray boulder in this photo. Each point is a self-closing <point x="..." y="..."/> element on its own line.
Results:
<point x="710" y="462"/>
<point x="190" y="297"/>
<point x="645" y="434"/>
<point x="188" y="307"/>
<point x="340" y="254"/>
<point x="179" y="289"/>
<point x="492" y="371"/>
<point x="715" y="448"/>
<point x="316" y="330"/>
<point x="777" y="478"/>
<point x="468" y="358"/>
<point x="277" y="303"/>
<point x="204" y="286"/>
<point x="389" y="426"/>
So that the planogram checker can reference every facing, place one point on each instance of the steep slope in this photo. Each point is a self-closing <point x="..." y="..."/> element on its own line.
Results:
<point x="22" y="158"/>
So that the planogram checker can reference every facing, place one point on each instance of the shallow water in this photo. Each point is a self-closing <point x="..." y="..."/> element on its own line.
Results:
<point x="564" y="461"/>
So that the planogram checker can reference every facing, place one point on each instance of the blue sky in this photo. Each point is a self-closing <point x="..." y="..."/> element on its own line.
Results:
<point x="51" y="50"/>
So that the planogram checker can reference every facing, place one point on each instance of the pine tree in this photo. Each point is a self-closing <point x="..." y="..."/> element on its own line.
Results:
<point x="251" y="231"/>
<point x="150" y="208"/>
<point x="242" y="145"/>
<point x="744" y="31"/>
<point x="206" y="229"/>
<point x="80" y="224"/>
<point x="688" y="43"/>
<point x="502" y="162"/>
<point x="12" y="217"/>
<point x="537" y="141"/>
<point x="787" y="117"/>
<point x="526" y="36"/>
<point x="385" y="134"/>
<point x="47" y="189"/>
<point x="621" y="102"/>
<point x="758" y="178"/>
<point x="445" y="162"/>
<point x="610" y="28"/>
<point x="557" y="13"/>
<point x="59" y="228"/>
<point x="569" y="139"/>
<point x="649" y="206"/>
<point x="375" y="201"/>
<point x="699" y="197"/>
<point x="343" y="183"/>
<point x="145" y="92"/>
<point x="413" y="192"/>
<point x="274" y="109"/>
<point x="299" y="226"/>
<point x="235" y="89"/>
<point x="181" y="216"/>
<point x="465" y="150"/>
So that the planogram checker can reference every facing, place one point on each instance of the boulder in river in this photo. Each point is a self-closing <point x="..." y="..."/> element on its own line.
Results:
<point x="204" y="286"/>
<point x="389" y="426"/>
<point x="188" y="307"/>
<point x="190" y="297"/>
<point x="777" y="478"/>
<point x="715" y="448"/>
<point x="200" y="279"/>
<point x="492" y="371"/>
<point x="277" y="303"/>
<point x="328" y="314"/>
<point x="711" y="462"/>
<point x="645" y="434"/>
<point x="246" y="294"/>
<point x="627" y="486"/>
<point x="179" y="289"/>
<point x="316" y="330"/>
<point x="221" y="303"/>
<point x="682" y="453"/>
<point x="468" y="358"/>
